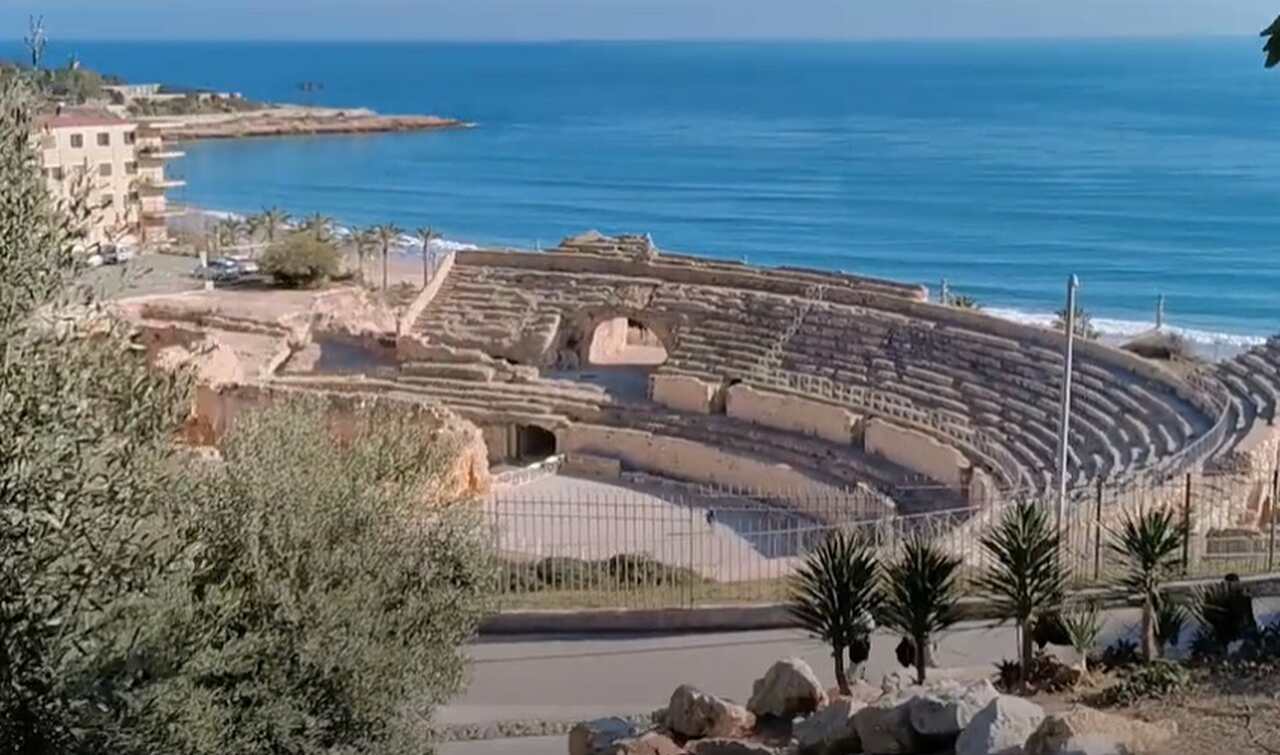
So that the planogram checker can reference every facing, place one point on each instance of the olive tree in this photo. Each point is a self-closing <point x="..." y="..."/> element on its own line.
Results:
<point x="85" y="432"/>
<point x="327" y="586"/>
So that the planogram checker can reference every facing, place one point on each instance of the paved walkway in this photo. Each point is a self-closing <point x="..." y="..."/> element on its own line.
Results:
<point x="571" y="679"/>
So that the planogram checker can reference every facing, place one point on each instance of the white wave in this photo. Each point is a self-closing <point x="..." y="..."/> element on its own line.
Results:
<point x="1114" y="328"/>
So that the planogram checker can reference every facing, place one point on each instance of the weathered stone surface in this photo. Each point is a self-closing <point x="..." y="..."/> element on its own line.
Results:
<point x="884" y="727"/>
<point x="598" y="736"/>
<point x="947" y="708"/>
<point x="831" y="730"/>
<point x="1001" y="728"/>
<point x="693" y="713"/>
<point x="1085" y="730"/>
<point x="651" y="743"/>
<point x="722" y="746"/>
<point x="859" y="690"/>
<point x="789" y="688"/>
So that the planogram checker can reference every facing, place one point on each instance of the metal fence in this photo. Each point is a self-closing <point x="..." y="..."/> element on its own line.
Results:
<point x="642" y="542"/>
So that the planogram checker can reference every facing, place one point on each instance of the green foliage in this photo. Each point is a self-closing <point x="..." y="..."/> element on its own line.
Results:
<point x="1048" y="674"/>
<point x="301" y="259"/>
<point x="964" y="302"/>
<point x="921" y="594"/>
<point x="1155" y="680"/>
<point x="1026" y="577"/>
<point x="84" y="460"/>
<point x="834" y="594"/>
<point x="1083" y="325"/>
<point x="1225" y="613"/>
<point x="323" y="600"/>
<point x="1120" y="654"/>
<point x="1272" y="46"/>
<point x="625" y="570"/>
<point x="1083" y="624"/>
<point x="1148" y="544"/>
<point x="1171" y="620"/>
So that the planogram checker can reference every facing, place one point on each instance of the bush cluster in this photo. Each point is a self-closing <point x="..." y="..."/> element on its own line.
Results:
<point x="1155" y="680"/>
<point x="618" y="572"/>
<point x="301" y="259"/>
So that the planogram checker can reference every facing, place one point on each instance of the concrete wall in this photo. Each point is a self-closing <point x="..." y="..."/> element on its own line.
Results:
<point x="426" y="296"/>
<point x="609" y="342"/>
<point x="592" y="465"/>
<point x="791" y="413"/>
<point x="686" y="460"/>
<point x="916" y="451"/>
<point x="683" y="393"/>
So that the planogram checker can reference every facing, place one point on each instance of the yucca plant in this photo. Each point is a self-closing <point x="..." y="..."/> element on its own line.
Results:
<point x="1171" y="619"/>
<point x="835" y="593"/>
<point x="921" y="593"/>
<point x="1026" y="578"/>
<point x="1083" y="624"/>
<point x="1225" y="613"/>
<point x="1147" y="544"/>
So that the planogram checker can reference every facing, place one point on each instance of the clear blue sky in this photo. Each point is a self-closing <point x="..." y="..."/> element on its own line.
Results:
<point x="633" y="19"/>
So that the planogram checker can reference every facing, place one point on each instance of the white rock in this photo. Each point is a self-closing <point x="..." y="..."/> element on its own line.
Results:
<point x="693" y="713"/>
<point x="789" y="688"/>
<point x="947" y="708"/>
<point x="884" y="727"/>
<point x="1001" y="728"/>
<point x="831" y="729"/>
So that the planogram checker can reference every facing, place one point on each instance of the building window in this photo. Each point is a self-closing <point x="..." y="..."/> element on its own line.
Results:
<point x="104" y="170"/>
<point x="104" y="139"/>
<point x="77" y="141"/>
<point x="131" y="168"/>
<point x="129" y="137"/>
<point x="59" y="174"/>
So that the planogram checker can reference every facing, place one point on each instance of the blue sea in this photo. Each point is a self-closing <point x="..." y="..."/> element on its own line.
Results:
<point x="1146" y="167"/>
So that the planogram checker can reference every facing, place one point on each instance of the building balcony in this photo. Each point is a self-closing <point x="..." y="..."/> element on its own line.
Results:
<point x="159" y="154"/>
<point x="153" y="186"/>
<point x="152" y="217"/>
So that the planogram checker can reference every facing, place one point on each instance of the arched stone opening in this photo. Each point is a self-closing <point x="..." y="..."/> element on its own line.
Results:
<point x="624" y="341"/>
<point x="534" y="443"/>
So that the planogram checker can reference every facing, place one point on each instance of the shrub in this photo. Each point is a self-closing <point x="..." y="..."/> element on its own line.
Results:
<point x="1154" y="680"/>
<point x="301" y="259"/>
<point x="1122" y="653"/>
<point x="1171" y="620"/>
<point x="1082" y="625"/>
<point x="325" y="596"/>
<point x="1225" y="613"/>
<point x="834" y="594"/>
<point x="1048" y="674"/>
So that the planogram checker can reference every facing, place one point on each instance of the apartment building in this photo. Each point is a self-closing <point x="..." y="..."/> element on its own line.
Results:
<point x="122" y="165"/>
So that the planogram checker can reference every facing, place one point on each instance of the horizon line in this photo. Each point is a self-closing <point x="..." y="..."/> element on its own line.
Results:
<point x="1173" y="36"/>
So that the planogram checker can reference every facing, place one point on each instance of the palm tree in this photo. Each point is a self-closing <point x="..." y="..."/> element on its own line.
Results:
<point x="318" y="225"/>
<point x="1083" y="325"/>
<point x="387" y="234"/>
<point x="227" y="231"/>
<point x="272" y="220"/>
<point x="1147" y="544"/>
<point x="425" y="235"/>
<point x="1025" y="579"/>
<point x="922" y="589"/>
<point x="253" y="224"/>
<point x="834" y="595"/>
<point x="365" y="241"/>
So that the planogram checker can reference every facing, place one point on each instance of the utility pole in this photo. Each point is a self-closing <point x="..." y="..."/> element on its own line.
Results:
<point x="944" y="293"/>
<point x="1159" y="311"/>
<point x="1064" y="425"/>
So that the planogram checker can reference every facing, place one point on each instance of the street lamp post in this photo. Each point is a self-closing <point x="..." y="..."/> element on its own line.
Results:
<point x="1064" y="425"/>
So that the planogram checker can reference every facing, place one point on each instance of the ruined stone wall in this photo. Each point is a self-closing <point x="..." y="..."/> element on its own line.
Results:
<point x="216" y="410"/>
<point x="791" y="413"/>
<point x="682" y="393"/>
<point x="918" y="452"/>
<point x="608" y="342"/>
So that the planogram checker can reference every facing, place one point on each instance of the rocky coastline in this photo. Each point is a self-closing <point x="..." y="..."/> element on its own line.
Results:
<point x="301" y="121"/>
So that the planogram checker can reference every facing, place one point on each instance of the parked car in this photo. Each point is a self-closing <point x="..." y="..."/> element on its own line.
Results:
<point x="116" y="255"/>
<point x="247" y="264"/>
<point x="219" y="269"/>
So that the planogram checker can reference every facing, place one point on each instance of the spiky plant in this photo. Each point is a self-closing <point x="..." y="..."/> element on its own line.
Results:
<point x="1225" y="613"/>
<point x="834" y="594"/>
<point x="921" y="593"/>
<point x="272" y="220"/>
<point x="1147" y="544"/>
<point x="1083" y="624"/>
<point x="318" y="225"/>
<point x="1171" y="619"/>
<point x="1025" y="579"/>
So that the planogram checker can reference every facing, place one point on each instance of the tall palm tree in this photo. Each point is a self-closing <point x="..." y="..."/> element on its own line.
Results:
<point x="921" y="592"/>
<point x="1025" y="579"/>
<point x="365" y="241"/>
<point x="318" y="225"/>
<point x="273" y="220"/>
<point x="1148" y="544"/>
<point x="834" y="595"/>
<point x="387" y="234"/>
<point x="254" y="225"/>
<point x="426" y="235"/>
<point x="227" y="231"/>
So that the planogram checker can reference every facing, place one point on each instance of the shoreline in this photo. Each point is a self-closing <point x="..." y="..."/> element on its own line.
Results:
<point x="297" y="120"/>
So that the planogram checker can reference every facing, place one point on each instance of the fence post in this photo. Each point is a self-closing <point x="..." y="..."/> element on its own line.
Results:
<point x="1097" y="536"/>
<point x="1186" y="528"/>
<point x="1271" y="540"/>
<point x="689" y="581"/>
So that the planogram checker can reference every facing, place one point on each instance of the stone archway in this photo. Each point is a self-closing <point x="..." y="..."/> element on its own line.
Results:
<point x="624" y="341"/>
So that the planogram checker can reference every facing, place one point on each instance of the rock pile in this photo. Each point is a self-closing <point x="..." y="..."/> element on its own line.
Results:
<point x="789" y="713"/>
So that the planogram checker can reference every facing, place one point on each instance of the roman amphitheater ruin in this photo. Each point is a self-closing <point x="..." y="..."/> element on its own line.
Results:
<point x="612" y="358"/>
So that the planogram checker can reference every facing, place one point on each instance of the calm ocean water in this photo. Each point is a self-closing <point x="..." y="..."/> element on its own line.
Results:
<point x="1145" y="167"/>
